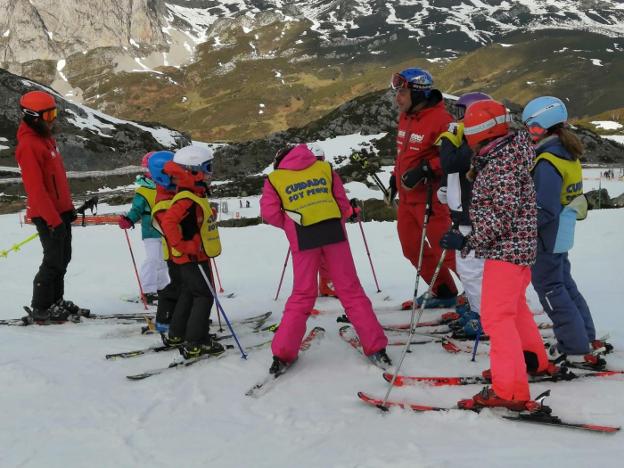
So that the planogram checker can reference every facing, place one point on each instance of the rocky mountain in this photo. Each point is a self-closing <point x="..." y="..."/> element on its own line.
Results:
<point x="88" y="139"/>
<point x="240" y="69"/>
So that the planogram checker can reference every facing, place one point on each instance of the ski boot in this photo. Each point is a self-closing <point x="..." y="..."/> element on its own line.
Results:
<point x="36" y="315"/>
<point x="470" y="330"/>
<point x="381" y="359"/>
<point x="433" y="302"/>
<point x="278" y="367"/>
<point x="73" y="309"/>
<point x="589" y="361"/>
<point x="602" y="343"/>
<point x="486" y="398"/>
<point x="461" y="322"/>
<point x="172" y="341"/>
<point x="212" y="348"/>
<point x="59" y="314"/>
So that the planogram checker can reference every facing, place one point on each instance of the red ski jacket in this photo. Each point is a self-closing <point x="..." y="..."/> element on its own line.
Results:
<point x="43" y="175"/>
<point x="416" y="136"/>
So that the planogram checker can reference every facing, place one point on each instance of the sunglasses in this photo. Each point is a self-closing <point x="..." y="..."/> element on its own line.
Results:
<point x="48" y="115"/>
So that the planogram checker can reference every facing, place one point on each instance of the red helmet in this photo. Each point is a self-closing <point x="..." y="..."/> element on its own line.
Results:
<point x="485" y="120"/>
<point x="39" y="104"/>
<point x="145" y="160"/>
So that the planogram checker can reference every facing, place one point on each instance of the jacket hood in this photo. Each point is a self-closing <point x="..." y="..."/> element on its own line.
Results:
<point x="299" y="158"/>
<point x="552" y="144"/>
<point x="185" y="179"/>
<point x="24" y="131"/>
<point x="145" y="181"/>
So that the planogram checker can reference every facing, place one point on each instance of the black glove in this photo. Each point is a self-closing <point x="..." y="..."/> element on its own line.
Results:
<point x="58" y="232"/>
<point x="453" y="240"/>
<point x="73" y="215"/>
<point x="392" y="191"/>
<point x="412" y="177"/>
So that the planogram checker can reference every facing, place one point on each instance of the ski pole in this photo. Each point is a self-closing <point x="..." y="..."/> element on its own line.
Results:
<point x="218" y="312"/>
<point x="368" y="253"/>
<point x="282" y="277"/>
<point x="218" y="305"/>
<point x="136" y="272"/>
<point x="16" y="247"/>
<point x="423" y="236"/>
<point x="476" y="344"/>
<point x="218" y="277"/>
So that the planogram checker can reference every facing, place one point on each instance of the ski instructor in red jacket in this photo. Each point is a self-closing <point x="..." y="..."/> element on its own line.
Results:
<point x="422" y="119"/>
<point x="49" y="202"/>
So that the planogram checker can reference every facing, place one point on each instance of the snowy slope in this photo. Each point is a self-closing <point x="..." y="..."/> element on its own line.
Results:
<point x="64" y="405"/>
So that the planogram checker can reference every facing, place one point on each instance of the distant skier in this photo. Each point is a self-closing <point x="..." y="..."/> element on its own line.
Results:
<point x="456" y="193"/>
<point x="153" y="271"/>
<point x="560" y="202"/>
<point x="504" y="221"/>
<point x="188" y="225"/>
<point x="422" y="119"/>
<point x="306" y="198"/>
<point x="49" y="204"/>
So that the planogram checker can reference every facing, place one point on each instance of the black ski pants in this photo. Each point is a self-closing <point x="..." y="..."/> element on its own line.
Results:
<point x="191" y="317"/>
<point x="49" y="282"/>
<point x="169" y="296"/>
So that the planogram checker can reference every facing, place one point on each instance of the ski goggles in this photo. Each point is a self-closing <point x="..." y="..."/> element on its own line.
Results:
<point x="206" y="168"/>
<point x="399" y="82"/>
<point x="536" y="131"/>
<point x="48" y="115"/>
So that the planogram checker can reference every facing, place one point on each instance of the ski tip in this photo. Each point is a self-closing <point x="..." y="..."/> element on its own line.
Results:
<point x="604" y="429"/>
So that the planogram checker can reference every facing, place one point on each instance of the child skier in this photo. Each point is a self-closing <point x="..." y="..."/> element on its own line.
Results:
<point x="504" y="221"/>
<point x="558" y="181"/>
<point x="193" y="237"/>
<point x="455" y="157"/>
<point x="153" y="272"/>
<point x="306" y="198"/>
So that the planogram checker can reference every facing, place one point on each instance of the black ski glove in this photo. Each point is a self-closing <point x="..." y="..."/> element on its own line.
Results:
<point x="453" y="240"/>
<point x="412" y="177"/>
<point x="355" y="210"/>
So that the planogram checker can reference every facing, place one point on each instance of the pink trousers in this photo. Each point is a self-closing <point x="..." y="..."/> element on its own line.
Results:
<point x="509" y="322"/>
<point x="356" y="304"/>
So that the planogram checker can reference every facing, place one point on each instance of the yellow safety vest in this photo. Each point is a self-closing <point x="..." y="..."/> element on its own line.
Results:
<point x="208" y="231"/>
<point x="571" y="173"/>
<point x="149" y="195"/>
<point x="455" y="134"/>
<point x="306" y="195"/>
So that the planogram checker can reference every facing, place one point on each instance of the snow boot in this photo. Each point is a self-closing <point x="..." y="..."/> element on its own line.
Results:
<point x="381" y="359"/>
<point x="486" y="398"/>
<point x="278" y="367"/>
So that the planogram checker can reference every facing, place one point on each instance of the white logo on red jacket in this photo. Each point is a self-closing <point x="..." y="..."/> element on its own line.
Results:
<point x="401" y="134"/>
<point x="416" y="138"/>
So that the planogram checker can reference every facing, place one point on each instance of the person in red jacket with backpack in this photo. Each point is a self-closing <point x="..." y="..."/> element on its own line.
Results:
<point x="49" y="203"/>
<point x="422" y="119"/>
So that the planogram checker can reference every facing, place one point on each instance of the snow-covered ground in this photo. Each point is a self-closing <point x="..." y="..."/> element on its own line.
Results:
<point x="64" y="405"/>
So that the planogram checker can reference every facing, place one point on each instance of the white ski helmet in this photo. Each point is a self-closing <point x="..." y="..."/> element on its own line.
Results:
<point x="194" y="157"/>
<point x="318" y="152"/>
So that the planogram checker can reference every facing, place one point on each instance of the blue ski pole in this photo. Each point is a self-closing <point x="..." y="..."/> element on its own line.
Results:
<point x="476" y="344"/>
<point x="218" y="304"/>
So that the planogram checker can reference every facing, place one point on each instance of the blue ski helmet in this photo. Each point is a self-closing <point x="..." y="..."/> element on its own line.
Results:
<point x="156" y="163"/>
<point x="418" y="80"/>
<point x="545" y="111"/>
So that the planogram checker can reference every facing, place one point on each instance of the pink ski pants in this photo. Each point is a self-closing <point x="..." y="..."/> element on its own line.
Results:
<point x="509" y="322"/>
<point x="356" y="304"/>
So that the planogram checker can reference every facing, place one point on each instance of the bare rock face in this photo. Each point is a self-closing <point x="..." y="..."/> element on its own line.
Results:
<point x="45" y="30"/>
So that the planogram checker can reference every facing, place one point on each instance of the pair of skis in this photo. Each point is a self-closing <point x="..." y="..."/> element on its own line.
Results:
<point x="543" y="415"/>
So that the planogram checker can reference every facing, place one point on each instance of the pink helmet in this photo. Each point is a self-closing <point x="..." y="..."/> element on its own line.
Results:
<point x="145" y="159"/>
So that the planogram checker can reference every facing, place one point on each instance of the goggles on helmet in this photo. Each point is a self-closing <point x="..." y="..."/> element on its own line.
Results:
<point x="399" y="82"/>
<point x="48" y="115"/>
